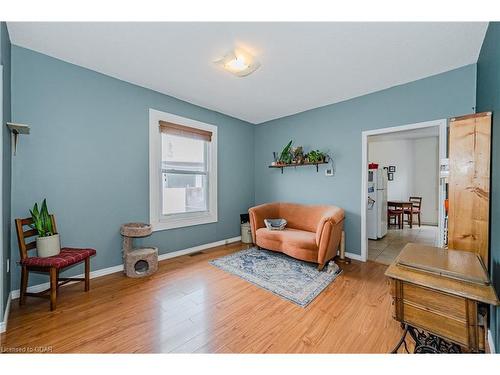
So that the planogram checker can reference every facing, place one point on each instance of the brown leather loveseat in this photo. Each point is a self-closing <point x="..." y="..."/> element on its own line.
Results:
<point x="312" y="234"/>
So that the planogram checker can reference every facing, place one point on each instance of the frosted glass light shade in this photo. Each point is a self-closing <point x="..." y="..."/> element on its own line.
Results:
<point x="239" y="63"/>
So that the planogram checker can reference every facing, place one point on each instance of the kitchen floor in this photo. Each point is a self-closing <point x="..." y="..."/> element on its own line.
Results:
<point x="387" y="249"/>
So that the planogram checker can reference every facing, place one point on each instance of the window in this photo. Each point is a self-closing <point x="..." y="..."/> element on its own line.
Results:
<point x="183" y="171"/>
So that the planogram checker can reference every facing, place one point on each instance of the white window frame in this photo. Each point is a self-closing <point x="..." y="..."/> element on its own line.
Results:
<point x="185" y="219"/>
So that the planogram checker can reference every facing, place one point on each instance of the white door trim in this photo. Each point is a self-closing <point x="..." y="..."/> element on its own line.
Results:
<point x="443" y="123"/>
<point x="2" y="267"/>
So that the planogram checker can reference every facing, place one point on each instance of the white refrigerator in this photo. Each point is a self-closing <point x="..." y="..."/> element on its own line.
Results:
<point x="376" y="214"/>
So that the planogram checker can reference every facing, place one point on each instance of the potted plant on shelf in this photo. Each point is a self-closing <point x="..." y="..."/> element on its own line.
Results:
<point x="286" y="155"/>
<point x="316" y="156"/>
<point x="47" y="243"/>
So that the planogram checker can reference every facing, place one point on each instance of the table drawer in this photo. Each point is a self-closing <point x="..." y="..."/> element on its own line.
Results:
<point x="435" y="301"/>
<point x="453" y="329"/>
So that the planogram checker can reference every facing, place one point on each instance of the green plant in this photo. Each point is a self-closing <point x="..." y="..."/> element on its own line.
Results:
<point x="286" y="155"/>
<point x="316" y="156"/>
<point x="42" y="222"/>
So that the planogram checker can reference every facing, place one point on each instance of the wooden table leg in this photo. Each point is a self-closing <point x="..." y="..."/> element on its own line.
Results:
<point x="411" y="217"/>
<point x="53" y="288"/>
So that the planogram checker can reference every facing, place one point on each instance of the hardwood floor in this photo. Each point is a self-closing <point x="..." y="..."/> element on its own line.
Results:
<point x="191" y="306"/>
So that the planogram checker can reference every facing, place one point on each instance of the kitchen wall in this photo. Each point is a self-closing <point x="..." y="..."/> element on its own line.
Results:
<point x="399" y="153"/>
<point x="337" y="128"/>
<point x="417" y="171"/>
<point x="488" y="99"/>
<point x="88" y="155"/>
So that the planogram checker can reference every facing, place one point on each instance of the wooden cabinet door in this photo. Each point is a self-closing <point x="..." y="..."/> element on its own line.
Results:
<point x="469" y="183"/>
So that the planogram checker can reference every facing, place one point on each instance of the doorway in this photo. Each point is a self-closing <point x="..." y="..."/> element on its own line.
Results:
<point x="406" y="162"/>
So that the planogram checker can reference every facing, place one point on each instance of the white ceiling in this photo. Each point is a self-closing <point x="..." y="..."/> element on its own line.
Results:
<point x="304" y="65"/>
<point x="432" y="131"/>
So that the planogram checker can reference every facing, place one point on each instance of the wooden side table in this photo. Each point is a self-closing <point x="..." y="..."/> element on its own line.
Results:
<point x="440" y="298"/>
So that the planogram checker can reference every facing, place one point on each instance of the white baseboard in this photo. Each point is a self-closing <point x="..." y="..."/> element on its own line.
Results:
<point x="3" y="325"/>
<point x="355" y="256"/>
<point x="198" y="248"/>
<point x="40" y="287"/>
<point x="118" y="268"/>
<point x="491" y="344"/>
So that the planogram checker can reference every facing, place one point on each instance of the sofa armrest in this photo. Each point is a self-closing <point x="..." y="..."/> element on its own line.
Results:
<point x="329" y="233"/>
<point x="259" y="213"/>
<point x="333" y="215"/>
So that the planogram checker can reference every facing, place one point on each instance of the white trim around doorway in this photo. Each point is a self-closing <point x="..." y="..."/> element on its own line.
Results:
<point x="443" y="123"/>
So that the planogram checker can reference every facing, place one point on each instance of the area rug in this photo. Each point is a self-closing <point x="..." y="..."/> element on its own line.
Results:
<point x="295" y="280"/>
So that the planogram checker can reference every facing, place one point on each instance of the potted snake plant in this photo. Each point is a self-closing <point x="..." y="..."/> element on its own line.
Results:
<point x="47" y="243"/>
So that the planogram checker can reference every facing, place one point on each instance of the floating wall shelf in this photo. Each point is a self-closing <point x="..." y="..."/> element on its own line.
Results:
<point x="281" y="166"/>
<point x="17" y="129"/>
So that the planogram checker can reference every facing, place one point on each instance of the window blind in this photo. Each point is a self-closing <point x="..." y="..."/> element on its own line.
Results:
<point x="185" y="131"/>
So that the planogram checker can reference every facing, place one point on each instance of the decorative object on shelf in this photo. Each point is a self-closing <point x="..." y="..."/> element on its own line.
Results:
<point x="47" y="243"/>
<point x="390" y="176"/>
<point x="392" y="168"/>
<point x="138" y="262"/>
<point x="17" y="129"/>
<point x="275" y="158"/>
<point x="294" y="156"/>
<point x="298" y="155"/>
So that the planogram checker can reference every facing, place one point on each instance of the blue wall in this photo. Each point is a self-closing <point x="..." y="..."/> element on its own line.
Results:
<point x="337" y="128"/>
<point x="88" y="155"/>
<point x="488" y="99"/>
<point x="6" y="158"/>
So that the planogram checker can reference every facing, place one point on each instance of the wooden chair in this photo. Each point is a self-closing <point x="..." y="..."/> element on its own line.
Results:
<point x="51" y="265"/>
<point x="416" y="208"/>
<point x="396" y="213"/>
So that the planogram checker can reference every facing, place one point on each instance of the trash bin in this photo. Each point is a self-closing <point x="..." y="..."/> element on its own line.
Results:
<point x="246" y="231"/>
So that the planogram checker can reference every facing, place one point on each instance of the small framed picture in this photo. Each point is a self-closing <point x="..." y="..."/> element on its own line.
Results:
<point x="392" y="168"/>
<point x="390" y="176"/>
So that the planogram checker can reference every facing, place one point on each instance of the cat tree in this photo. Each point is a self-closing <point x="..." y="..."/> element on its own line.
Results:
<point x="138" y="262"/>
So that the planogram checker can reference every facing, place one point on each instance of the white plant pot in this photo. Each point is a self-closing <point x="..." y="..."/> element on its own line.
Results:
<point x="48" y="246"/>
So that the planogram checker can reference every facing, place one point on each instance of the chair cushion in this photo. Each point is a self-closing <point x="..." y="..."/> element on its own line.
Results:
<point x="394" y="212"/>
<point x="294" y="237"/>
<point x="65" y="258"/>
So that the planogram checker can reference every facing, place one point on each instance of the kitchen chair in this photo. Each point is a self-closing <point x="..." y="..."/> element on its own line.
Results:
<point x="415" y="209"/>
<point x="51" y="265"/>
<point x="396" y="213"/>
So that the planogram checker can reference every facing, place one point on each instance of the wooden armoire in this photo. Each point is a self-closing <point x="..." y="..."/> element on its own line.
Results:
<point x="469" y="154"/>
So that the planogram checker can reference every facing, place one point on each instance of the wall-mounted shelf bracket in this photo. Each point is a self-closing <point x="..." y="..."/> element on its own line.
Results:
<point x="17" y="129"/>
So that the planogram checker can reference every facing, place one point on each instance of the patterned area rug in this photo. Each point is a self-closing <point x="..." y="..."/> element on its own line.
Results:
<point x="289" y="278"/>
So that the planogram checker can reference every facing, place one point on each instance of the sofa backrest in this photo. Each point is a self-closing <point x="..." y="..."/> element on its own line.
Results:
<point x="307" y="217"/>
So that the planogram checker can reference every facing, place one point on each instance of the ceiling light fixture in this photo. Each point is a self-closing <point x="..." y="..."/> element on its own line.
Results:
<point x="239" y="62"/>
